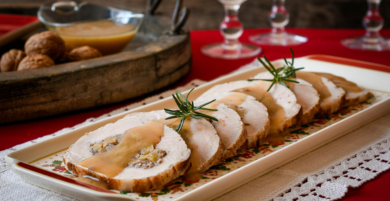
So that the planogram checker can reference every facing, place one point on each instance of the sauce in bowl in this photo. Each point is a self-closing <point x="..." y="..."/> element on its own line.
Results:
<point x="106" y="36"/>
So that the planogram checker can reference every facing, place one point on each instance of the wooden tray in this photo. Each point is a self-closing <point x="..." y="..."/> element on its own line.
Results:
<point x="153" y="60"/>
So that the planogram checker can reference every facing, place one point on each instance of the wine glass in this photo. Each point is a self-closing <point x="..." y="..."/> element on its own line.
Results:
<point x="372" y="22"/>
<point x="278" y="18"/>
<point x="231" y="29"/>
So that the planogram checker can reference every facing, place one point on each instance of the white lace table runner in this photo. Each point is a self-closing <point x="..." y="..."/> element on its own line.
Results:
<point x="323" y="174"/>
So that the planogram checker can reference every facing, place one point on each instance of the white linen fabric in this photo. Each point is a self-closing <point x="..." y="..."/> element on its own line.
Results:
<point x="323" y="174"/>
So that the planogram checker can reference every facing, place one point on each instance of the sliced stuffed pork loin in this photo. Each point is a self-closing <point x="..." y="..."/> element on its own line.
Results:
<point x="199" y="134"/>
<point x="280" y="101"/>
<point x="253" y="114"/>
<point x="307" y="97"/>
<point x="353" y="98"/>
<point x="229" y="126"/>
<point x="332" y="97"/>
<point x="354" y="93"/>
<point x="130" y="155"/>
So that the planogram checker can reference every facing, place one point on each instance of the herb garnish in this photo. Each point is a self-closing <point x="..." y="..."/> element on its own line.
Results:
<point x="187" y="109"/>
<point x="281" y="74"/>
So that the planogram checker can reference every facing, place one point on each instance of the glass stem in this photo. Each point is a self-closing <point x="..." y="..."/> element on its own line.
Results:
<point x="231" y="27"/>
<point x="373" y="21"/>
<point x="279" y="17"/>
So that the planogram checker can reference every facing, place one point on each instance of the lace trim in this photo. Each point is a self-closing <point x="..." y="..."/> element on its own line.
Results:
<point x="332" y="183"/>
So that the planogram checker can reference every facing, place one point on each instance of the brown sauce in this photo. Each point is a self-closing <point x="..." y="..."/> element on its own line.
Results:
<point x="275" y="139"/>
<point x="235" y="99"/>
<point x="92" y="181"/>
<point x="192" y="177"/>
<point x="232" y="101"/>
<point x="341" y="82"/>
<point x="291" y="85"/>
<point x="317" y="83"/>
<point x="276" y="112"/>
<point x="188" y="136"/>
<point x="106" y="36"/>
<point x="114" y="161"/>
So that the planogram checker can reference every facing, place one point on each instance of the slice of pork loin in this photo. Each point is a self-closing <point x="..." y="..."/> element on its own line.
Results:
<point x="329" y="103"/>
<point x="131" y="178"/>
<point x="253" y="114"/>
<point x="205" y="144"/>
<point x="229" y="127"/>
<point x="354" y="93"/>
<point x="353" y="98"/>
<point x="281" y="95"/>
<point x="307" y="97"/>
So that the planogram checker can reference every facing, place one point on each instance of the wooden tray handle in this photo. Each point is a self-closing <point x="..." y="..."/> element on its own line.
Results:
<point x="178" y="20"/>
<point x="184" y="14"/>
<point x="152" y="6"/>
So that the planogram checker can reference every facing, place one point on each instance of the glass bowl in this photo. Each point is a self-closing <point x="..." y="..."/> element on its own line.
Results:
<point x="81" y="23"/>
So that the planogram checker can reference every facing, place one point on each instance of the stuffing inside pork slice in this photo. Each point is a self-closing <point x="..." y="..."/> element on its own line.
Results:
<point x="148" y="158"/>
<point x="105" y="144"/>
<point x="169" y="156"/>
<point x="201" y="137"/>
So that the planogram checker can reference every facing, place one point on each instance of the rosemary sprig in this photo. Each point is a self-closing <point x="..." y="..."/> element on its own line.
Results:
<point x="282" y="74"/>
<point x="289" y="67"/>
<point x="187" y="109"/>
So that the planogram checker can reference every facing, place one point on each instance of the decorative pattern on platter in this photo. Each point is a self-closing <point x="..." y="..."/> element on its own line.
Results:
<point x="176" y="188"/>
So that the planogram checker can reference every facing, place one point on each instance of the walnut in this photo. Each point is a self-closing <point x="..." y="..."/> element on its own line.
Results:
<point x="68" y="48"/>
<point x="47" y="43"/>
<point x="83" y="53"/>
<point x="65" y="56"/>
<point x="10" y="60"/>
<point x="35" y="61"/>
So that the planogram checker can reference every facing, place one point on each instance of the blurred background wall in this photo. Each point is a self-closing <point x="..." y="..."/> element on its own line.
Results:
<point x="207" y="14"/>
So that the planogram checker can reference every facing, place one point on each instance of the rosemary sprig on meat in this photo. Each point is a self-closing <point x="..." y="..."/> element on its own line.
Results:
<point x="187" y="109"/>
<point x="281" y="75"/>
<point x="289" y="68"/>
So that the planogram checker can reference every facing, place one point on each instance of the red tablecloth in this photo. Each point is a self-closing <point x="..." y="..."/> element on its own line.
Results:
<point x="12" y="22"/>
<point x="320" y="41"/>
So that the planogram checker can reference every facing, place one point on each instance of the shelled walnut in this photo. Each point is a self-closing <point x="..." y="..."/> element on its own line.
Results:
<point x="83" y="53"/>
<point x="65" y="56"/>
<point x="46" y="43"/>
<point x="11" y="59"/>
<point x="35" y="61"/>
<point x="43" y="50"/>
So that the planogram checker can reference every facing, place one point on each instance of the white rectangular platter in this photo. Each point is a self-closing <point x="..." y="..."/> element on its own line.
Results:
<point x="41" y="163"/>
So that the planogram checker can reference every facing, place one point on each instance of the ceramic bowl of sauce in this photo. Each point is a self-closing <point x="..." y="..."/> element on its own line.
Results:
<point x="80" y="23"/>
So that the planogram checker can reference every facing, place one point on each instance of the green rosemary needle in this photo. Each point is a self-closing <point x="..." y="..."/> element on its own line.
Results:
<point x="289" y="68"/>
<point x="187" y="109"/>
<point x="281" y="75"/>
